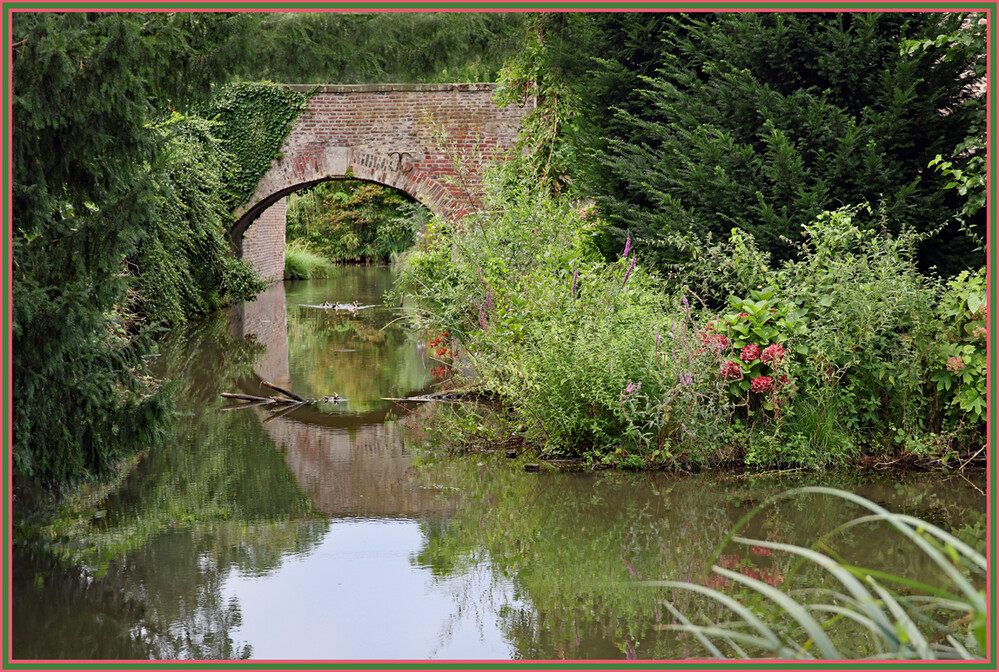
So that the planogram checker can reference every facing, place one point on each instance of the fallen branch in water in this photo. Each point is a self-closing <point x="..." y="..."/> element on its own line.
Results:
<point x="284" y="392"/>
<point x="285" y="398"/>
<point x="248" y="397"/>
<point x="287" y="409"/>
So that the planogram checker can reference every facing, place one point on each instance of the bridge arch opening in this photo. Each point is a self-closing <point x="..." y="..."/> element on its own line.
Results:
<point x="350" y="220"/>
<point x="261" y="234"/>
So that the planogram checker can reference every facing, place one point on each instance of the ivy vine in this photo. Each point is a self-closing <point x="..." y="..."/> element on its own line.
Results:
<point x="254" y="120"/>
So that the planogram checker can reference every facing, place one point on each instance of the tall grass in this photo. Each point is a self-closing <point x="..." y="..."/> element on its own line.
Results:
<point x="853" y="612"/>
<point x="302" y="263"/>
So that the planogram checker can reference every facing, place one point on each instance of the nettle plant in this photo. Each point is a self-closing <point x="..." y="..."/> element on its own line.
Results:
<point x="754" y="341"/>
<point x="960" y="357"/>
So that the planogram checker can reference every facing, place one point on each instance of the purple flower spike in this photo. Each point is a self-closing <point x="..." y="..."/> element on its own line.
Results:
<point x="575" y="277"/>
<point x="626" y="275"/>
<point x="627" y="246"/>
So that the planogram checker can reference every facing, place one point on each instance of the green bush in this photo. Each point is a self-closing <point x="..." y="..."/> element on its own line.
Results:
<point x="959" y="356"/>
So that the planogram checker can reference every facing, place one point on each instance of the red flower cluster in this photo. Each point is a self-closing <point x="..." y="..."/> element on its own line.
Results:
<point x="750" y="352"/>
<point x="955" y="364"/>
<point x="438" y="372"/>
<point x="437" y="341"/>
<point x="773" y="354"/>
<point x="762" y="384"/>
<point x="715" y="342"/>
<point x="731" y="370"/>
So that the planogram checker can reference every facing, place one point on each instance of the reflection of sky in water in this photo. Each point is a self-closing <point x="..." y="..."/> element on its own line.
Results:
<point x="320" y="606"/>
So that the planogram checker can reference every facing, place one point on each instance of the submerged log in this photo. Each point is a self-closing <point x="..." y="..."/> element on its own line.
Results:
<point x="284" y="392"/>
<point x="247" y="397"/>
<point x="287" y="409"/>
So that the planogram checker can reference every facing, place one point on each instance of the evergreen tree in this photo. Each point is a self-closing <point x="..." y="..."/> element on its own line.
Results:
<point x="761" y="121"/>
<point x="84" y="196"/>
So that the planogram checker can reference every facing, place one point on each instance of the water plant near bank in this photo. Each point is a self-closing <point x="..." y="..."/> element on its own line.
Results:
<point x="861" y="612"/>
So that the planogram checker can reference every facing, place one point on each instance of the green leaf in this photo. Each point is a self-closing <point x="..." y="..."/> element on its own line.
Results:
<point x="974" y="302"/>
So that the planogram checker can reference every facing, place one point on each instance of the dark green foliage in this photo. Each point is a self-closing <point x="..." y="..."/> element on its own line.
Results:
<point x="350" y="220"/>
<point x="698" y="124"/>
<point x="84" y="195"/>
<point x="339" y="48"/>
<point x="254" y="119"/>
<point x="579" y="68"/>
<point x="185" y="267"/>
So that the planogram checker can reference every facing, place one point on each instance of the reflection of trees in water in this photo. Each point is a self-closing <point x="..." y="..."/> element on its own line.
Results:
<point x="139" y="573"/>
<point x="575" y="544"/>
<point x="163" y="601"/>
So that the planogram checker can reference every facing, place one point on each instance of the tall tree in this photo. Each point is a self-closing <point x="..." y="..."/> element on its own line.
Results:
<point x="85" y="89"/>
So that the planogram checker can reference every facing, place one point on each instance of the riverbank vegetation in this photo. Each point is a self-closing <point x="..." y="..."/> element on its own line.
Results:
<point x="844" y="351"/>
<point x="813" y="335"/>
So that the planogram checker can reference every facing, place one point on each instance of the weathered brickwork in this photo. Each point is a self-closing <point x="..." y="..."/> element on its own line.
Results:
<point x="263" y="243"/>
<point x="387" y="133"/>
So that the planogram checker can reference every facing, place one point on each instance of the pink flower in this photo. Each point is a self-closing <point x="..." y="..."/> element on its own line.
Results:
<point x="955" y="364"/>
<point x="632" y="388"/>
<point x="731" y="370"/>
<point x="716" y="342"/>
<point x="743" y="314"/>
<point x="773" y="354"/>
<point x="980" y="332"/>
<point x="762" y="384"/>
<point x="750" y="352"/>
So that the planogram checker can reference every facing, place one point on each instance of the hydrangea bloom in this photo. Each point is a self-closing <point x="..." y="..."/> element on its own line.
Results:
<point x="731" y="370"/>
<point x="762" y="384"/>
<point x="750" y="352"/>
<point x="773" y="354"/>
<point x="955" y="364"/>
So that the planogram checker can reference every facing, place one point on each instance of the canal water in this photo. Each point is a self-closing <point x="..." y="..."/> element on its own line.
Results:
<point x="331" y="532"/>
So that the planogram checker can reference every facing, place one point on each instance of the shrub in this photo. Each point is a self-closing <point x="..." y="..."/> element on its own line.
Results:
<point x="958" y="356"/>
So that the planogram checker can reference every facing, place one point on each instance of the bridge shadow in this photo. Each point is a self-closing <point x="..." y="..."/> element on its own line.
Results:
<point x="348" y="463"/>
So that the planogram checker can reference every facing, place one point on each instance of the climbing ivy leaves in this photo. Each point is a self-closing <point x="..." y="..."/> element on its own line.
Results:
<point x="254" y="119"/>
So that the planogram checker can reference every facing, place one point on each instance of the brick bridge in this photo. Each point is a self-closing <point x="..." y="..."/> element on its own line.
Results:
<point x="384" y="133"/>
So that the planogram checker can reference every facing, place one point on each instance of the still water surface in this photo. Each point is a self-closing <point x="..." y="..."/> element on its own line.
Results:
<point x="329" y="533"/>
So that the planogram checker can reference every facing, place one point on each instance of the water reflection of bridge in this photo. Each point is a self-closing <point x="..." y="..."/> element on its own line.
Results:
<point x="350" y="464"/>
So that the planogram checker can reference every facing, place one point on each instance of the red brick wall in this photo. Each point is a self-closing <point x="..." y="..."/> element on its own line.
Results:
<point x="263" y="242"/>
<point x="389" y="134"/>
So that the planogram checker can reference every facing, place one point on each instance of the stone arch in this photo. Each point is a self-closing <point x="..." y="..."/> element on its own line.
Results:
<point x="388" y="134"/>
